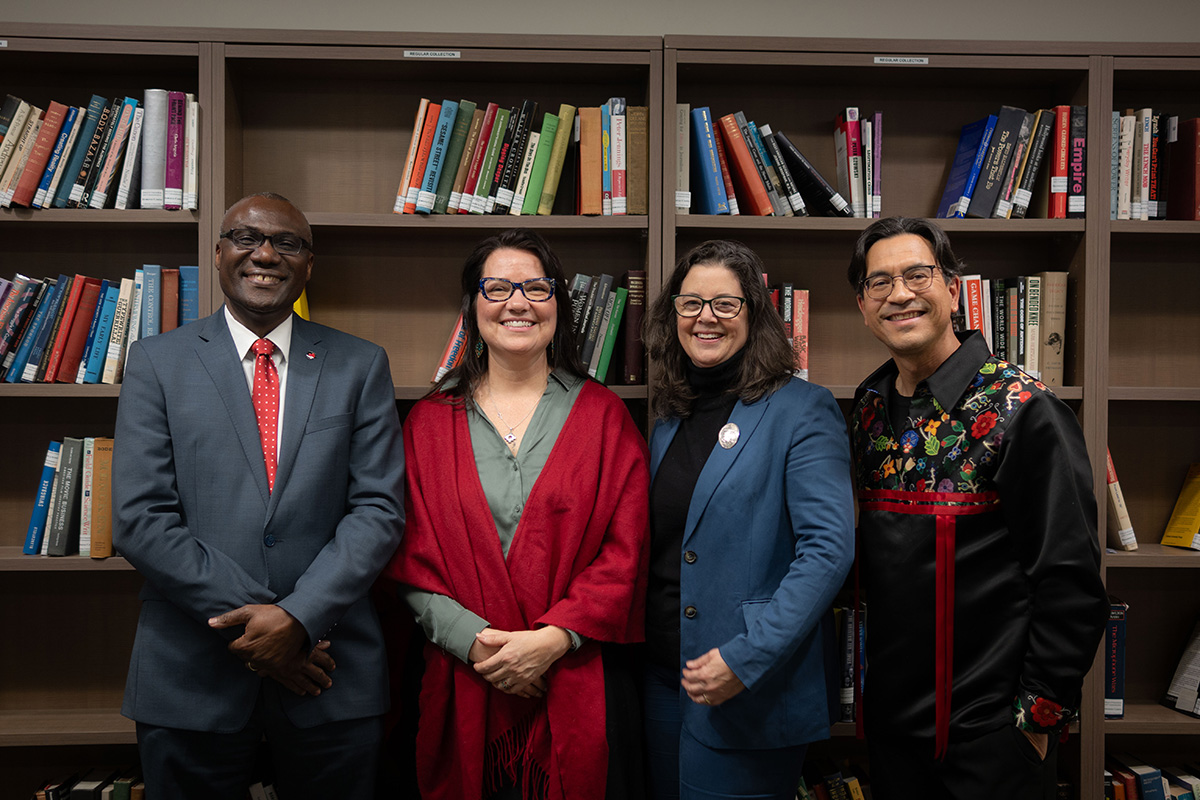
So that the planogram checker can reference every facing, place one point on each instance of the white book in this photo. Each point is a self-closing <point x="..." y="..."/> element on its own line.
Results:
<point x="114" y="359"/>
<point x="85" y="497"/>
<point x="683" y="169"/>
<point x="1033" y="326"/>
<point x="1125" y="169"/>
<point x="51" y="504"/>
<point x="191" y="153"/>
<point x="526" y="172"/>
<point x="133" y="157"/>
<point x="1145" y="119"/>
<point x="20" y="157"/>
<point x="135" y="309"/>
<point x="154" y="148"/>
<point x="20" y="118"/>
<point x="868" y="164"/>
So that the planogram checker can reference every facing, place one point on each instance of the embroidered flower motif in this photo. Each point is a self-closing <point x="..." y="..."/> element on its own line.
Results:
<point x="909" y="440"/>
<point x="988" y="369"/>
<point x="954" y="454"/>
<point x="946" y="485"/>
<point x="983" y="424"/>
<point x="921" y="485"/>
<point x="968" y="469"/>
<point x="1023" y="396"/>
<point x="932" y="426"/>
<point x="889" y="468"/>
<point x="1046" y="713"/>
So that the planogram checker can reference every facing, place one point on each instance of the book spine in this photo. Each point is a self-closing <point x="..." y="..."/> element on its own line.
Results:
<point x="514" y="159"/>
<point x="541" y="164"/>
<point x="620" y="197"/>
<point x="877" y="156"/>
<point x="114" y="361"/>
<point x="189" y="294"/>
<point x="173" y="180"/>
<point x="464" y="162"/>
<point x="410" y="161"/>
<point x="683" y="195"/>
<point x="800" y="314"/>
<point x="1020" y="157"/>
<point x="463" y="119"/>
<point x="41" y="503"/>
<point x="994" y="170"/>
<point x="112" y="160"/>
<point x="154" y="148"/>
<point x="710" y="195"/>
<point x="1077" y="177"/>
<point x="1059" y="165"/>
<point x="56" y="158"/>
<point x="976" y="167"/>
<point x="478" y="158"/>
<point x="151" y="301"/>
<point x="20" y="158"/>
<point x="191" y="154"/>
<point x="791" y="192"/>
<point x="818" y="194"/>
<point x="526" y="174"/>
<point x="85" y="497"/>
<point x="1120" y="527"/>
<point x="96" y="356"/>
<point x="593" y="362"/>
<point x="746" y="178"/>
<point x="93" y="331"/>
<point x="1053" y="327"/>
<point x="491" y="158"/>
<point x="621" y="297"/>
<point x="558" y="155"/>
<point x="63" y="529"/>
<point x="760" y="167"/>
<point x="92" y="154"/>
<point x="453" y="353"/>
<point x="427" y="189"/>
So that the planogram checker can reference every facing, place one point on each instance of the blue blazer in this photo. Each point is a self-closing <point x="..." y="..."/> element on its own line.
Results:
<point x="768" y="541"/>
<point x="191" y="511"/>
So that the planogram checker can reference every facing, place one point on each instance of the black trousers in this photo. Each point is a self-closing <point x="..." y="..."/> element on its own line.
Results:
<point x="1002" y="763"/>
<point x="337" y="759"/>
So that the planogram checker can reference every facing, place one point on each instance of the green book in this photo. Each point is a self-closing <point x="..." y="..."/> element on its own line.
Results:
<point x="541" y="160"/>
<point x="611" y="336"/>
<point x="458" y="139"/>
<point x="558" y="154"/>
<point x="487" y="173"/>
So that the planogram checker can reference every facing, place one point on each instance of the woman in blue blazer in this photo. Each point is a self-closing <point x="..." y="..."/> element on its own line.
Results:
<point x="751" y="536"/>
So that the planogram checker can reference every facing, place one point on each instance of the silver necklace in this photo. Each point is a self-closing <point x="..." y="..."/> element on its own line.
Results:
<point x="510" y="438"/>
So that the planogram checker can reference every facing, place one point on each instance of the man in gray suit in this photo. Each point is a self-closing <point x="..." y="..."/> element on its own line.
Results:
<point x="257" y="484"/>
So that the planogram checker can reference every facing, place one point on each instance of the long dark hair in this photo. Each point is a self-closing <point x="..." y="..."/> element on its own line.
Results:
<point x="888" y="227"/>
<point x="462" y="381"/>
<point x="767" y="357"/>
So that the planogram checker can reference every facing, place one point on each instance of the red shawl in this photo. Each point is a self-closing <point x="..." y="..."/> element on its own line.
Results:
<point x="578" y="559"/>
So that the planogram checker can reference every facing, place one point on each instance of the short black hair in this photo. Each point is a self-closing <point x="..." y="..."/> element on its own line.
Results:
<point x="888" y="227"/>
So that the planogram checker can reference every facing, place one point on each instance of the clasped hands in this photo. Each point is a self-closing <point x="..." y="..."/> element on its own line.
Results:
<point x="274" y="646"/>
<point x="515" y="662"/>
<point x="709" y="681"/>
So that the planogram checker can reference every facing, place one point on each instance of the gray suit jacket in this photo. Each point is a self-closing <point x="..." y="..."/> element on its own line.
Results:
<point x="191" y="511"/>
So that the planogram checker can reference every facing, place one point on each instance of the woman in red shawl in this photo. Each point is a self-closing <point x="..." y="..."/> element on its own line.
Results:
<point x="525" y="553"/>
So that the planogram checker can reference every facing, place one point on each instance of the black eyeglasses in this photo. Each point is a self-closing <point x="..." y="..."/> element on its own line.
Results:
<point x="917" y="279"/>
<point x="286" y="244"/>
<point x="536" y="290"/>
<point x="724" y="306"/>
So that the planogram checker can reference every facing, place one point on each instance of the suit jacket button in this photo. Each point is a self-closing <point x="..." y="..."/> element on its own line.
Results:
<point x="690" y="556"/>
<point x="269" y="540"/>
<point x="690" y="612"/>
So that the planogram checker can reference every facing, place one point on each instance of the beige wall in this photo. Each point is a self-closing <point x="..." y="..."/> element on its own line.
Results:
<point x="1080" y="20"/>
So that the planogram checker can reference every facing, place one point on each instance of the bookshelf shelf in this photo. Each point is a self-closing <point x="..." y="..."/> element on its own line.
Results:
<point x="91" y="216"/>
<point x="482" y="223"/>
<point x="57" y="727"/>
<point x="33" y="390"/>
<point x="1152" y="719"/>
<point x="1153" y="227"/>
<point x="1186" y="394"/>
<point x="13" y="560"/>
<point x="1153" y="556"/>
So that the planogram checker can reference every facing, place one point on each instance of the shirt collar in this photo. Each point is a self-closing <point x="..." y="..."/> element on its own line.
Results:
<point x="244" y="338"/>
<point x="949" y="381"/>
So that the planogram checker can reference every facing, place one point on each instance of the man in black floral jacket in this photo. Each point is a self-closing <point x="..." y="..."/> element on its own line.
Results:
<point x="979" y="551"/>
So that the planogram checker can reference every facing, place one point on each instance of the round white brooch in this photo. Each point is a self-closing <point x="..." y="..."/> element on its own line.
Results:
<point x="728" y="436"/>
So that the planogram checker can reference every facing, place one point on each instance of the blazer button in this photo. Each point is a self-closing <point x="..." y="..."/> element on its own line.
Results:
<point x="269" y="540"/>
<point x="690" y="556"/>
<point x="690" y="612"/>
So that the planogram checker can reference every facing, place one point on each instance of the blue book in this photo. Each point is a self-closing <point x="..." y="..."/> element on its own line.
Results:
<point x="189" y="294"/>
<point x="39" y="197"/>
<point x="95" y="108"/>
<point x="43" y="320"/>
<point x="427" y="195"/>
<point x="151" y="300"/>
<point x="99" y="348"/>
<point x="708" y="187"/>
<point x="37" y="520"/>
<point x="91" y="337"/>
<point x="964" y="172"/>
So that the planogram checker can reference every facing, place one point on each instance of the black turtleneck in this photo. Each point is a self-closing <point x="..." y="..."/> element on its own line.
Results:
<point x="670" y="497"/>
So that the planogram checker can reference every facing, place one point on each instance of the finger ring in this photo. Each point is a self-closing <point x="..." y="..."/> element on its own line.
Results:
<point x="251" y="667"/>
<point x="706" y="700"/>
<point x="504" y="684"/>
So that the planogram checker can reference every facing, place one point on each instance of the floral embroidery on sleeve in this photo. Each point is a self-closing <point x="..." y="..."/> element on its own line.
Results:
<point x="1039" y="714"/>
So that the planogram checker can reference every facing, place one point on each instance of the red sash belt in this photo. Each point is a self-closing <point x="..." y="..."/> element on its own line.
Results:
<point x="944" y="506"/>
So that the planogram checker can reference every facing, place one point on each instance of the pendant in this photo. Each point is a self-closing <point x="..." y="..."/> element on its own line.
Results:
<point x="510" y="437"/>
<point x="728" y="436"/>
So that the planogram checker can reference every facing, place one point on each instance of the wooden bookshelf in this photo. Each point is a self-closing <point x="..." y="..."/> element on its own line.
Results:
<point x="325" y="119"/>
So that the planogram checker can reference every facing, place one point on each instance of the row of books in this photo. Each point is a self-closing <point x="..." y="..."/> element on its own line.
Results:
<point x="852" y="638"/>
<point x="734" y="166"/>
<point x="99" y="783"/>
<point x="825" y="779"/>
<point x="77" y="329"/>
<point x="1182" y="693"/>
<point x="793" y="308"/>
<point x="1183" y="527"/>
<point x="1128" y="777"/>
<point x="1016" y="163"/>
<point x="464" y="159"/>
<point x="72" y="510"/>
<point x="1154" y="166"/>
<point x="108" y="154"/>
<point x="1023" y="319"/>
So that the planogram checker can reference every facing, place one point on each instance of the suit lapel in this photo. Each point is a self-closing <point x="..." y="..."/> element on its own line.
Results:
<point x="746" y="417"/>
<point x="660" y="439"/>
<point x="305" y="360"/>
<point x="216" y="352"/>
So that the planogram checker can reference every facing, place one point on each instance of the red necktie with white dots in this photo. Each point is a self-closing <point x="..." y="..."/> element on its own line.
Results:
<point x="266" y="403"/>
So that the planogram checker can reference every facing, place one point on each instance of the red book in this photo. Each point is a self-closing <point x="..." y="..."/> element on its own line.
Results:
<point x="39" y="155"/>
<point x="68" y="323"/>
<point x="485" y="134"/>
<point x="427" y="135"/>
<point x="752" y="193"/>
<point x="723" y="160"/>
<point x="1183" y="189"/>
<point x="1059" y="163"/>
<point x="453" y="353"/>
<point x="168" y="297"/>
<point x="76" y="339"/>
